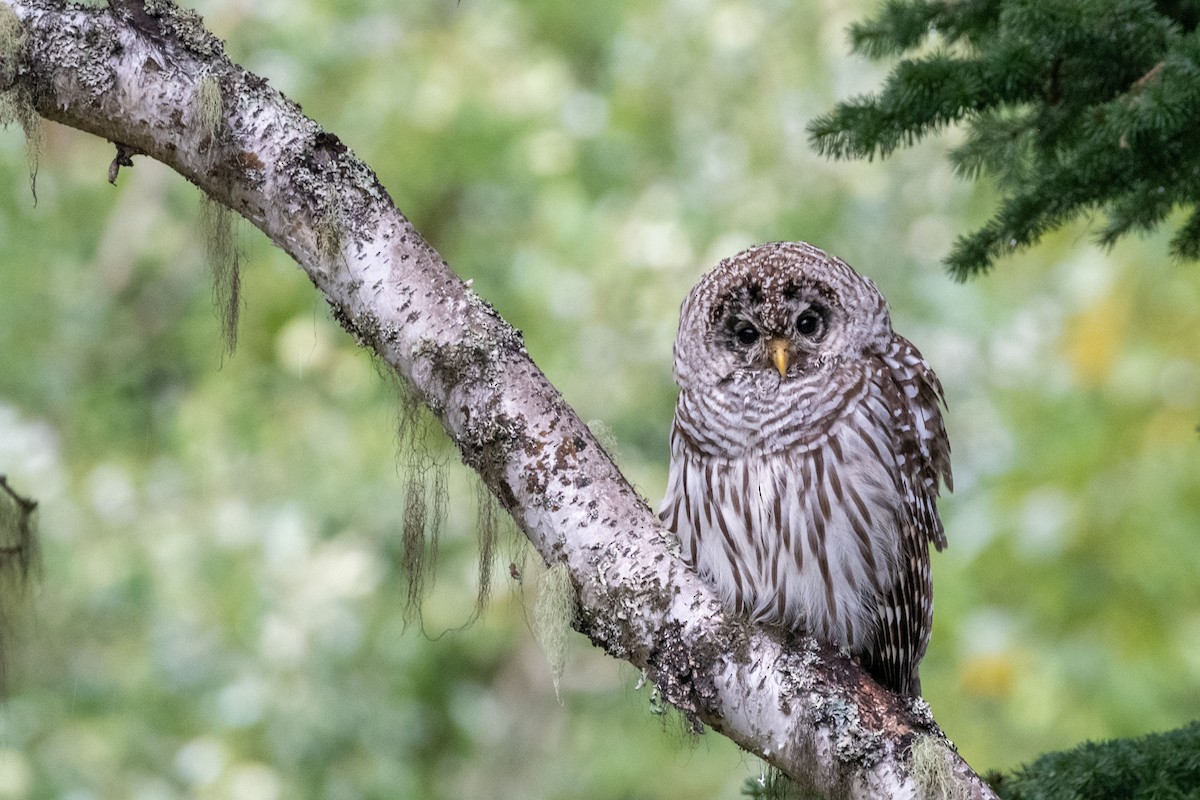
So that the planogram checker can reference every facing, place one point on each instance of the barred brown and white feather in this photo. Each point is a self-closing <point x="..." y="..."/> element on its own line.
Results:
<point x="806" y="455"/>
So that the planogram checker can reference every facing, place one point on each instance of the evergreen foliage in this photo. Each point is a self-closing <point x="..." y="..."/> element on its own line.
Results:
<point x="1162" y="765"/>
<point x="1069" y="107"/>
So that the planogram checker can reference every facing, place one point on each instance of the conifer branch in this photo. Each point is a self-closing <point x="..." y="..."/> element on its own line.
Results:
<point x="1070" y="108"/>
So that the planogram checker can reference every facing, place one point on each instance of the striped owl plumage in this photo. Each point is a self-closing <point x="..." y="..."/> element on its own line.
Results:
<point x="805" y="456"/>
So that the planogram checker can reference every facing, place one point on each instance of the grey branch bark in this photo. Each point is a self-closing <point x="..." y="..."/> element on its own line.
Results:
<point x="138" y="74"/>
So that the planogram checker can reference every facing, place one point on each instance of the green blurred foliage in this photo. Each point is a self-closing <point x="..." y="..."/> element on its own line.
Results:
<point x="220" y="610"/>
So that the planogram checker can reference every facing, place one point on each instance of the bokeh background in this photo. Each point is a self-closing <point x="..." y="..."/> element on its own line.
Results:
<point x="219" y="612"/>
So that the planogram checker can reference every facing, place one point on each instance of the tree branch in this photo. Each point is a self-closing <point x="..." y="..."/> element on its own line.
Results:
<point x="142" y="75"/>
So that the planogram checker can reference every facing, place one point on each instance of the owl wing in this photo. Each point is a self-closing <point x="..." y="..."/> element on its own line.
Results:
<point x="914" y="394"/>
<point x="919" y="436"/>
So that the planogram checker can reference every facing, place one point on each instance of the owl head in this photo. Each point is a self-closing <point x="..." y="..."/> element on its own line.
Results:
<point x="780" y="312"/>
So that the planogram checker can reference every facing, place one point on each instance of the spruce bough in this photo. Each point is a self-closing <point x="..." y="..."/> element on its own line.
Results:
<point x="1069" y="108"/>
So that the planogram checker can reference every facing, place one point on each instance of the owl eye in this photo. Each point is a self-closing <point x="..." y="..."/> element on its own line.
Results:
<point x="810" y="323"/>
<point x="745" y="333"/>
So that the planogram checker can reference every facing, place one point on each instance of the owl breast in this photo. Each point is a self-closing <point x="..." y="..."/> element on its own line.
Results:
<point x="784" y="499"/>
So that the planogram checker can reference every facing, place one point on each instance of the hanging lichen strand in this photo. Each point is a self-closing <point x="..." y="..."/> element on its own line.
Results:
<point x="15" y="105"/>
<point x="217" y="220"/>
<point x="425" y="493"/>
<point x="1069" y="108"/>
<point x="487" y="522"/>
<point x="552" y="614"/>
<point x="18" y="558"/>
<point x="424" y="478"/>
<point x="221" y="250"/>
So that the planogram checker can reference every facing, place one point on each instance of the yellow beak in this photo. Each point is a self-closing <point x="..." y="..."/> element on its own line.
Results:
<point x="778" y="347"/>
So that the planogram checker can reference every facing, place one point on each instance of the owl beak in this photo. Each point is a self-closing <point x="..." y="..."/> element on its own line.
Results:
<point x="778" y="348"/>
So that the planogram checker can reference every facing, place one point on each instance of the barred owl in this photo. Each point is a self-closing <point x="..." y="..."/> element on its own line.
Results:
<point x="806" y="455"/>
